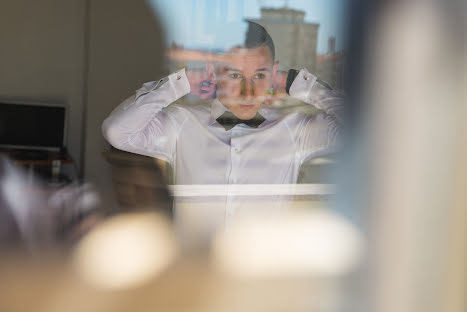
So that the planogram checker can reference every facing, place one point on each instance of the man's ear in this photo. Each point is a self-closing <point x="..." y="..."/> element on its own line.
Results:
<point x="274" y="69"/>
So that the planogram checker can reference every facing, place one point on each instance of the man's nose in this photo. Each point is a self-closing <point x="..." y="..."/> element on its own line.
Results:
<point x="247" y="88"/>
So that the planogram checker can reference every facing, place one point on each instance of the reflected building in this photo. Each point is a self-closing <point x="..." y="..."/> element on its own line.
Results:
<point x="330" y="66"/>
<point x="295" y="40"/>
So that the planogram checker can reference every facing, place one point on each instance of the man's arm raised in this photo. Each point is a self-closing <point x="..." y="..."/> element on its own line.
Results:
<point x="308" y="88"/>
<point x="141" y="125"/>
<point x="318" y="134"/>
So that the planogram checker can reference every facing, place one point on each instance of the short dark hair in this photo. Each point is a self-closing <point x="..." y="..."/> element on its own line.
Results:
<point x="257" y="36"/>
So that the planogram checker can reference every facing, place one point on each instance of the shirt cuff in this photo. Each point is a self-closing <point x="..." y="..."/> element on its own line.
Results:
<point x="301" y="86"/>
<point x="179" y="83"/>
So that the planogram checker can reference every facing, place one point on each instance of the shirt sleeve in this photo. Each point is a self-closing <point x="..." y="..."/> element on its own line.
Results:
<point x="141" y="125"/>
<point x="317" y="135"/>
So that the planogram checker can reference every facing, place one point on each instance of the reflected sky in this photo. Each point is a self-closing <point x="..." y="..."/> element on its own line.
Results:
<point x="193" y="23"/>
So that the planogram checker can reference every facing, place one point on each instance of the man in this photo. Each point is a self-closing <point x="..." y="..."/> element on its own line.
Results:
<point x="236" y="139"/>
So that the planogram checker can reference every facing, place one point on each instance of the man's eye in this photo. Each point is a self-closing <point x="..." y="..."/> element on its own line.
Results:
<point x="260" y="76"/>
<point x="234" y="76"/>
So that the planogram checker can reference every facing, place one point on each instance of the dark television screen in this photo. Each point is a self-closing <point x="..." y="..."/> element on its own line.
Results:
<point x="31" y="125"/>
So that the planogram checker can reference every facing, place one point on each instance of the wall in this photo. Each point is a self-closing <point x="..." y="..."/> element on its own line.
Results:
<point x="42" y="57"/>
<point x="88" y="54"/>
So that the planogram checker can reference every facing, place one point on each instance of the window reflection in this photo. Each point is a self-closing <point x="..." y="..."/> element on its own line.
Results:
<point x="244" y="103"/>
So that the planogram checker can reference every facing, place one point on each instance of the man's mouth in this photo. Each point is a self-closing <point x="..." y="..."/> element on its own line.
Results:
<point x="246" y="106"/>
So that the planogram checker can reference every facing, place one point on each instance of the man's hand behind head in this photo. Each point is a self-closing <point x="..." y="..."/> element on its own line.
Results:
<point x="202" y="81"/>
<point x="277" y="92"/>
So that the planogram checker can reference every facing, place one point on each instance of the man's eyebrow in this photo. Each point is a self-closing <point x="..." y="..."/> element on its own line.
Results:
<point x="263" y="69"/>
<point x="232" y="69"/>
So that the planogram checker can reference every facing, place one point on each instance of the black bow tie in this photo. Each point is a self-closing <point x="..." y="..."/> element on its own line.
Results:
<point x="229" y="120"/>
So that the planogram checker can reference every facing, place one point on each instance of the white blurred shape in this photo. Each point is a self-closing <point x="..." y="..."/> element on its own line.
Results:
<point x="322" y="161"/>
<point x="125" y="251"/>
<point x="312" y="243"/>
<point x="75" y="199"/>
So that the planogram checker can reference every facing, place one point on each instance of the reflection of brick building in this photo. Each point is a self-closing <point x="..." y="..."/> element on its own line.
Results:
<point x="330" y="66"/>
<point x="295" y="40"/>
<point x="296" y="46"/>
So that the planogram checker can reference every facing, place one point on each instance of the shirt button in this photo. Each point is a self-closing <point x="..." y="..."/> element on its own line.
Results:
<point x="233" y="181"/>
<point x="237" y="150"/>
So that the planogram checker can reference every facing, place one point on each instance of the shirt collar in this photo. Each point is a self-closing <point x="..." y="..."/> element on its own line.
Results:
<point x="217" y="109"/>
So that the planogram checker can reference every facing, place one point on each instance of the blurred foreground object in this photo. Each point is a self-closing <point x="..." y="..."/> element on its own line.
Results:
<point x="128" y="263"/>
<point x="294" y="245"/>
<point x="412" y="130"/>
<point x="37" y="219"/>
<point x="125" y="251"/>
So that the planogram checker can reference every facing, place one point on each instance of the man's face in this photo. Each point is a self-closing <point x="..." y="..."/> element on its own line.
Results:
<point x="243" y="81"/>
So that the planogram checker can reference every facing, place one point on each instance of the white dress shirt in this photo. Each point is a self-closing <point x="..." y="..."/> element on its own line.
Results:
<point x="201" y="151"/>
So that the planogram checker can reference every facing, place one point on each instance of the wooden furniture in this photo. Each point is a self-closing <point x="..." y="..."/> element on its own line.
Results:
<point x="140" y="181"/>
<point x="55" y="168"/>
